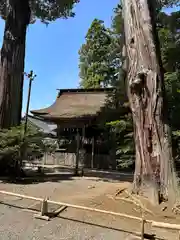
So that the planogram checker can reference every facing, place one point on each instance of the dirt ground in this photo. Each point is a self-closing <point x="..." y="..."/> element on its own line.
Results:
<point x="93" y="192"/>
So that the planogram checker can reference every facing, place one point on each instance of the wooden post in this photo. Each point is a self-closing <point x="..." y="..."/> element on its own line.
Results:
<point x="77" y="153"/>
<point x="44" y="158"/>
<point x="113" y="151"/>
<point x="31" y="77"/>
<point x="59" y="210"/>
<point x="44" y="211"/>
<point x="92" y="157"/>
<point x="44" y="207"/>
<point x="142" y="228"/>
<point x="83" y="143"/>
<point x="123" y="215"/>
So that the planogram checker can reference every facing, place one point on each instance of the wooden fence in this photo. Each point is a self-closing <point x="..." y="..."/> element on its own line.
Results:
<point x="44" y="213"/>
<point x="69" y="160"/>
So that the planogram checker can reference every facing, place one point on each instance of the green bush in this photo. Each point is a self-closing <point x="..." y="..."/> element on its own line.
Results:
<point x="13" y="147"/>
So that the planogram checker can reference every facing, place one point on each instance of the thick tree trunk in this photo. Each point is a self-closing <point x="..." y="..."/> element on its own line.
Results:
<point x="153" y="171"/>
<point x="12" y="62"/>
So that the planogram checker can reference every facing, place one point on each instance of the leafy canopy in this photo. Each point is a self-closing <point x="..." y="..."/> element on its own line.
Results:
<point x="11" y="142"/>
<point x="95" y="68"/>
<point x="45" y="10"/>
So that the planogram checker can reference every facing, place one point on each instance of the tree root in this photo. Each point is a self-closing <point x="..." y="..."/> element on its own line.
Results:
<point x="130" y="199"/>
<point x="176" y="208"/>
<point x="126" y="200"/>
<point x="119" y="191"/>
<point x="138" y="203"/>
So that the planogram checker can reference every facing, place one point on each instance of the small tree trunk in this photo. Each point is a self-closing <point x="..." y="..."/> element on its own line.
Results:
<point x="153" y="171"/>
<point x="12" y="62"/>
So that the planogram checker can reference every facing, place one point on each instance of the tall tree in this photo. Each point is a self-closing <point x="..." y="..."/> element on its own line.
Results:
<point x="12" y="62"/>
<point x="95" y="68"/>
<point x="145" y="80"/>
<point x="169" y="35"/>
<point x="18" y="14"/>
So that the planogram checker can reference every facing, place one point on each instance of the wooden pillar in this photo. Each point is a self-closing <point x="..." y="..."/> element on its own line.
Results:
<point x="142" y="228"/>
<point x="77" y="153"/>
<point x="114" y="151"/>
<point x="83" y="157"/>
<point x="92" y="157"/>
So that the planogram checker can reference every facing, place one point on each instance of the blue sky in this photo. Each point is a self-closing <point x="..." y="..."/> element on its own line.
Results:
<point x="52" y="52"/>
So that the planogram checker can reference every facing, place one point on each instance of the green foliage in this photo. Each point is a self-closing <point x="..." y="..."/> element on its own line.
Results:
<point x="45" y="10"/>
<point x="123" y="126"/>
<point x="95" y="66"/>
<point x="9" y="142"/>
<point x="117" y="21"/>
<point x="12" y="144"/>
<point x="169" y="35"/>
<point x="50" y="10"/>
<point x="168" y="3"/>
<point x="100" y="66"/>
<point x="124" y="140"/>
<point x="172" y="82"/>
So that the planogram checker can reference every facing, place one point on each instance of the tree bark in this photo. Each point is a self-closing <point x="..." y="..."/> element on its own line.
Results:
<point x="12" y="62"/>
<point x="154" y="166"/>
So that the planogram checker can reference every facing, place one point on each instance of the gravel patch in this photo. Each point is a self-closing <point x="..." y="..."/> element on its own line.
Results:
<point x="19" y="225"/>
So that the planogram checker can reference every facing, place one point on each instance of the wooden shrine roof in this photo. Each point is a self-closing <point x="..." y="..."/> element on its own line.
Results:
<point x="75" y="104"/>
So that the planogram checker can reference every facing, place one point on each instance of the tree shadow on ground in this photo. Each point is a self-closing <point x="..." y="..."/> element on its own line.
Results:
<point x="146" y="235"/>
<point x="57" y="174"/>
<point x="41" y="178"/>
<point x="101" y="175"/>
<point x="109" y="176"/>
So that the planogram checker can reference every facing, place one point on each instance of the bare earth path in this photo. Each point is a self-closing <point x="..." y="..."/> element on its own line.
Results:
<point x="17" y="224"/>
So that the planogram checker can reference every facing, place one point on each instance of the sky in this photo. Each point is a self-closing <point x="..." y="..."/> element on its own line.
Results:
<point x="52" y="52"/>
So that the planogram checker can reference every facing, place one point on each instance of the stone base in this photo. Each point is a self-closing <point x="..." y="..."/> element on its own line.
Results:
<point x="39" y="216"/>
